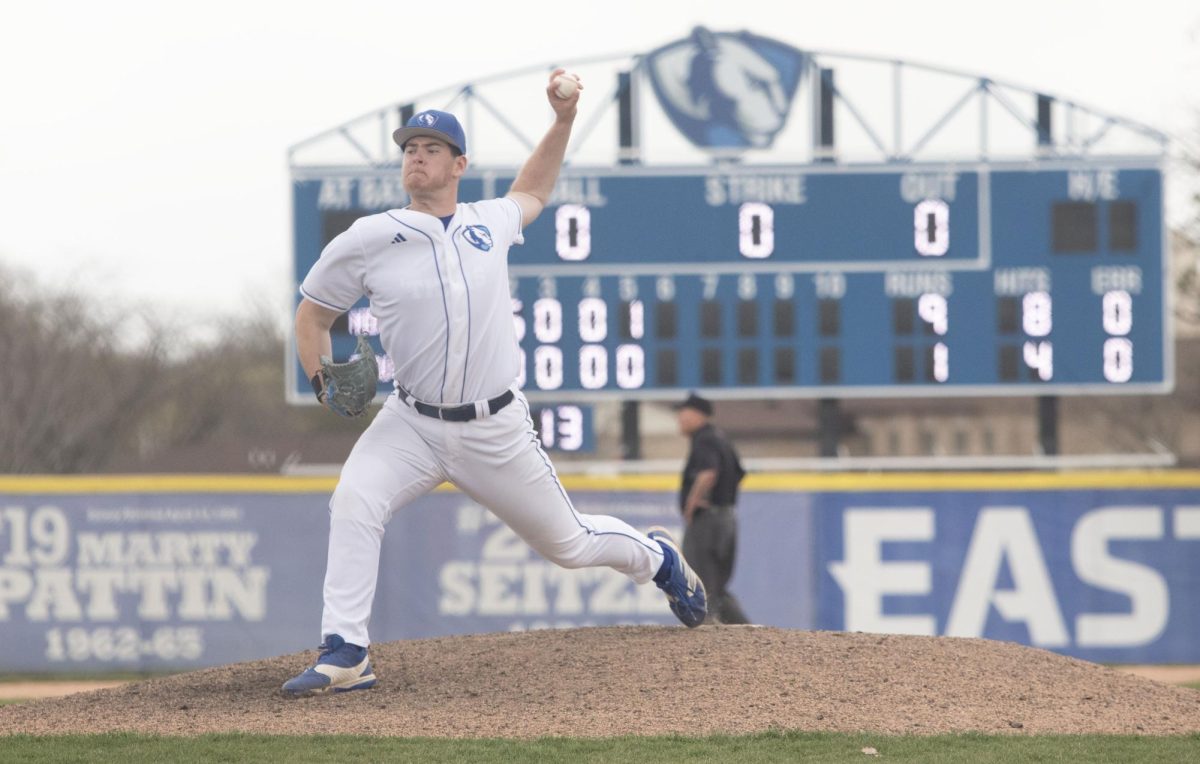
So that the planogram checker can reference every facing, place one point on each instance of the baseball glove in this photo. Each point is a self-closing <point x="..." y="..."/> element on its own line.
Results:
<point x="347" y="388"/>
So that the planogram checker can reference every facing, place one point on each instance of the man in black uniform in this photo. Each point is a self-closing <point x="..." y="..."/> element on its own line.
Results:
<point x="707" y="498"/>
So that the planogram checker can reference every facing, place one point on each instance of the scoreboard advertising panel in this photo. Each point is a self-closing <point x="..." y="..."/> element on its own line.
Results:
<point x="819" y="281"/>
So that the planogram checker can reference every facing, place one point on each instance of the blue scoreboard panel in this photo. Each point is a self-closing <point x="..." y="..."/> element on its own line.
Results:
<point x="1041" y="278"/>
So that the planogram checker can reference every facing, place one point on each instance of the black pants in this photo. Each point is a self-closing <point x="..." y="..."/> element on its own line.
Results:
<point x="710" y="545"/>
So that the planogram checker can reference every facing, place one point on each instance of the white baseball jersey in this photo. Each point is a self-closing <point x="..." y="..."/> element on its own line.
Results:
<point x="440" y="295"/>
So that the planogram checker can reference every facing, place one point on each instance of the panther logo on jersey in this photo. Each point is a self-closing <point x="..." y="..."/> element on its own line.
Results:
<point x="727" y="90"/>
<point x="479" y="236"/>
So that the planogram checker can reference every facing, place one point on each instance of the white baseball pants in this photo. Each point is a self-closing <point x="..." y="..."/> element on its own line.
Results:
<point x="498" y="462"/>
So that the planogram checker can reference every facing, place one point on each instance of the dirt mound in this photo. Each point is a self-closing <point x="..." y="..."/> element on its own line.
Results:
<point x="647" y="680"/>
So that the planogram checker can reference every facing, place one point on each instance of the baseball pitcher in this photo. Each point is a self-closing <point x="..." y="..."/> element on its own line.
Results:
<point x="436" y="275"/>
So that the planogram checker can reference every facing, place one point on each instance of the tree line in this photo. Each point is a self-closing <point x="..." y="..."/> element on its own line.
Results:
<point x="79" y="390"/>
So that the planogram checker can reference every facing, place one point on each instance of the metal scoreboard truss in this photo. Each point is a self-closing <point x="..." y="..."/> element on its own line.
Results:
<point x="789" y="264"/>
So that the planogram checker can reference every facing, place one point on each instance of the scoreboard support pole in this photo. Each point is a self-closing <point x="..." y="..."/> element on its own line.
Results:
<point x="1047" y="404"/>
<point x="1048" y="424"/>
<point x="823" y="135"/>
<point x="829" y="426"/>
<point x="829" y="415"/>
<point x="628" y="153"/>
<point x="631" y="435"/>
<point x="628" y="138"/>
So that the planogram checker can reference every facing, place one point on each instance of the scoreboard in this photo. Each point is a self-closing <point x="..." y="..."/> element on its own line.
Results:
<point x="1037" y="278"/>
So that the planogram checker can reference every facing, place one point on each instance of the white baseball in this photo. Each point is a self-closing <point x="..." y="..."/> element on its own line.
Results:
<point x="565" y="85"/>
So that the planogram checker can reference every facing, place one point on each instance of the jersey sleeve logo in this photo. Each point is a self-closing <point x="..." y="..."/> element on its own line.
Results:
<point x="479" y="236"/>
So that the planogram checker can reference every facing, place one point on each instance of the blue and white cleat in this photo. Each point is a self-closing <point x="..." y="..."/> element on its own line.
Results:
<point x="340" y="668"/>
<point x="683" y="587"/>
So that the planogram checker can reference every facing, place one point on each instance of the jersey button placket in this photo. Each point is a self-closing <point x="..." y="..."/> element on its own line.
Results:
<point x="460" y="318"/>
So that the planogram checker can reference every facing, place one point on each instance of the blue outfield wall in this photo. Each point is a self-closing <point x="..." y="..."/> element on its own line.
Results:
<point x="127" y="573"/>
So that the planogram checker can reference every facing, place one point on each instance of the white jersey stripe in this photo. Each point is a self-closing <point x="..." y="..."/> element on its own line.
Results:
<point x="321" y="302"/>
<point x="445" y="307"/>
<point x="467" y="356"/>
<point x="520" y="217"/>
<point x="537" y="443"/>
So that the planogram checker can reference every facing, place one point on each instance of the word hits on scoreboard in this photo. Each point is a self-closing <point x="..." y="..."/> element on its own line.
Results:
<point x="1025" y="322"/>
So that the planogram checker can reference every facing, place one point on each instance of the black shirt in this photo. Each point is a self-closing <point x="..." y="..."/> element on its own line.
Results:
<point x="711" y="450"/>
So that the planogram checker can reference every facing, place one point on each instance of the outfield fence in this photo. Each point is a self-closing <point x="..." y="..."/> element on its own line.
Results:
<point x="169" y="572"/>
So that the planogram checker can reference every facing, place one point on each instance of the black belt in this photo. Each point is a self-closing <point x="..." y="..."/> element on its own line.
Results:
<point x="463" y="413"/>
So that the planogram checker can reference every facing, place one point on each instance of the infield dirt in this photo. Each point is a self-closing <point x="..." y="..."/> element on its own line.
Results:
<point x="612" y="681"/>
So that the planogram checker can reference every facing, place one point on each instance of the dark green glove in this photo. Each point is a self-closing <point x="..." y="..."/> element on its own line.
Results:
<point x="347" y="388"/>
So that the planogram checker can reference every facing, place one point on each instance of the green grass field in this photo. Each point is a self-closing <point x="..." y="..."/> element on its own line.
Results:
<point x="770" y="747"/>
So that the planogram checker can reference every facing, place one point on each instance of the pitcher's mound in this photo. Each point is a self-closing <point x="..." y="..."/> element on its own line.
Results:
<point x="604" y="682"/>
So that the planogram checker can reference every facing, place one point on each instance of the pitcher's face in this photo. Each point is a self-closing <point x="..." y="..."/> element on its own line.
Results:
<point x="430" y="165"/>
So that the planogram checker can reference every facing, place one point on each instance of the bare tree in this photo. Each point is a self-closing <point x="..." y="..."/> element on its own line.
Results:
<point x="71" y="394"/>
<point x="80" y="392"/>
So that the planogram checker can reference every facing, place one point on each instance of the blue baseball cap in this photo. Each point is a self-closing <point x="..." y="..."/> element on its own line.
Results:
<point x="434" y="124"/>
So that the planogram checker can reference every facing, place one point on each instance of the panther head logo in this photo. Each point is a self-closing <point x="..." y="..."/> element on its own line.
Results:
<point x="479" y="236"/>
<point x="725" y="90"/>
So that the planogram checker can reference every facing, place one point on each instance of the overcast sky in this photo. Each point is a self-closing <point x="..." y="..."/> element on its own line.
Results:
<point x="143" y="144"/>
